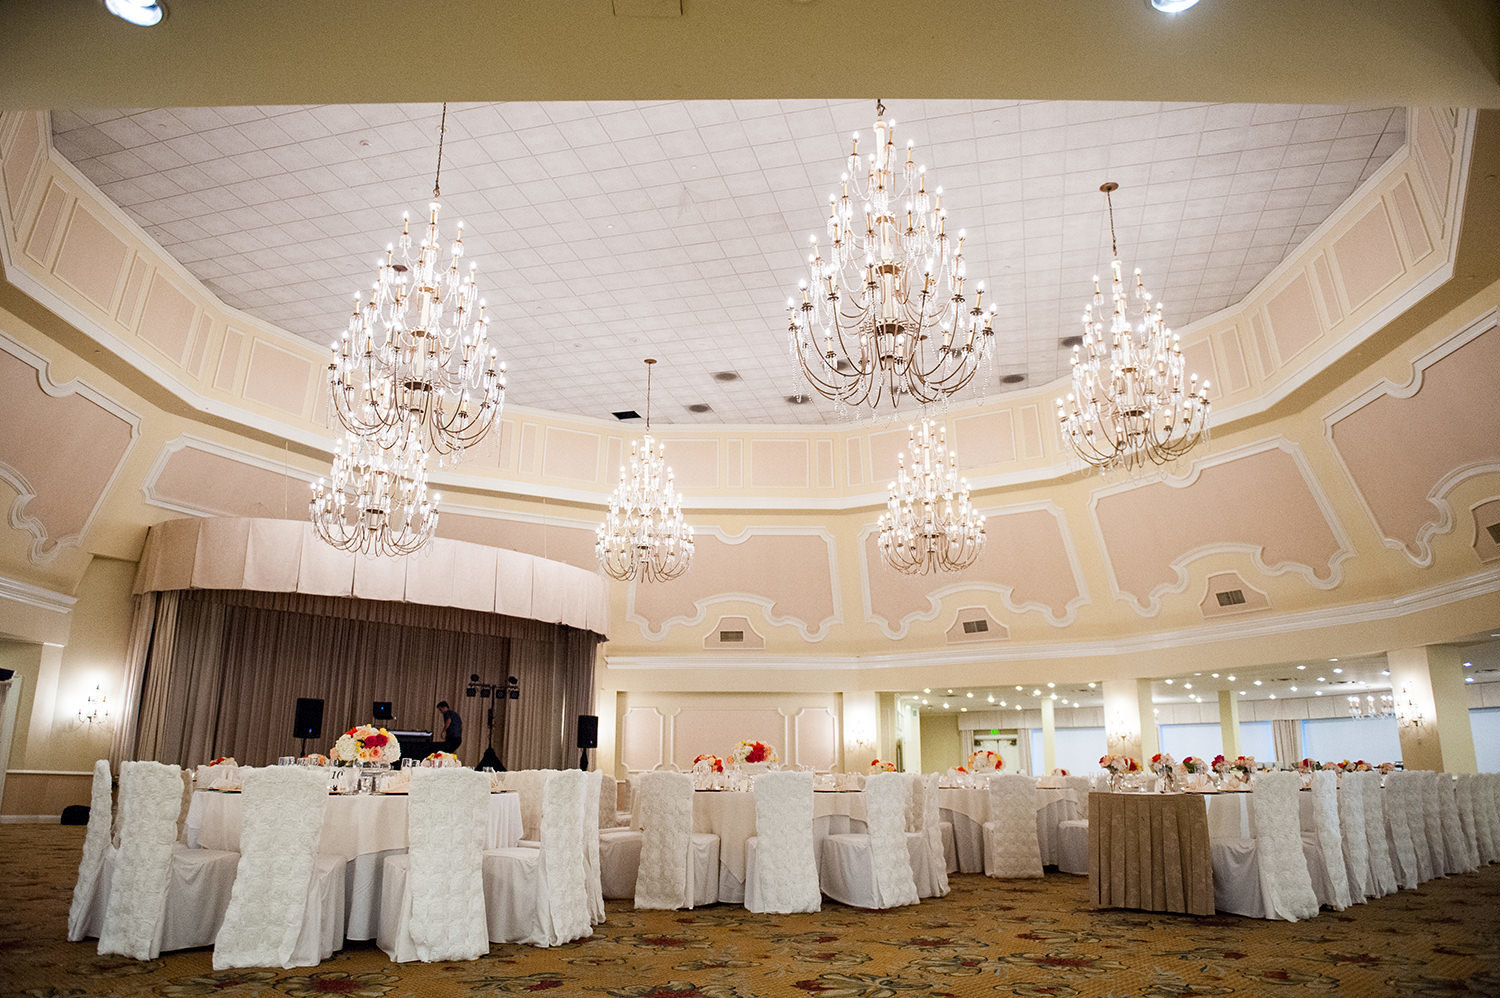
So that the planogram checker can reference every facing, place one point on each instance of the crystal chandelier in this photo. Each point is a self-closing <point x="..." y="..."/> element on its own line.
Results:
<point x="1370" y="707"/>
<point x="415" y="363"/>
<point x="928" y="524"/>
<point x="375" y="501"/>
<point x="1131" y="405"/>
<point x="885" y="315"/>
<point x="643" y="535"/>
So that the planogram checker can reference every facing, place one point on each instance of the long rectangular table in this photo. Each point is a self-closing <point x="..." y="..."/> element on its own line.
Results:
<point x="1150" y="851"/>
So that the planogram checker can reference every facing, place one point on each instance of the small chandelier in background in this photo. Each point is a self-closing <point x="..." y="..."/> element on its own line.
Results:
<point x="95" y="709"/>
<point x="885" y="316"/>
<point x="929" y="524"/>
<point x="1370" y="707"/>
<point x="643" y="535"/>
<point x="415" y="363"/>
<point x="1131" y="404"/>
<point x="375" y="501"/>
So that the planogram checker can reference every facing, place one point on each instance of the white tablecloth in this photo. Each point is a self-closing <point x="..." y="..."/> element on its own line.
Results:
<point x="968" y="808"/>
<point x="1231" y="815"/>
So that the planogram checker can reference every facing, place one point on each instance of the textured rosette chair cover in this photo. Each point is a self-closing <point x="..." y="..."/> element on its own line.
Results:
<point x="1381" y="873"/>
<point x="1432" y="820"/>
<point x="873" y="869"/>
<point x="1464" y="794"/>
<point x="162" y="896"/>
<point x="1487" y="817"/>
<point x="781" y="864"/>
<point x="87" y="910"/>
<point x="1073" y="832"/>
<point x="540" y="896"/>
<point x="679" y="868"/>
<point x="1456" y="844"/>
<point x="1396" y="797"/>
<point x="930" y="858"/>
<point x="1267" y="876"/>
<point x="287" y="906"/>
<point x="1356" y="851"/>
<point x="593" y="794"/>
<point x="1326" y="843"/>
<point x="1011" y="848"/>
<point x="432" y="902"/>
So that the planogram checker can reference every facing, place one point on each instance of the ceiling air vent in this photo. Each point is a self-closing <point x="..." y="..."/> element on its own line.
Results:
<point x="627" y="414"/>
<point x="1231" y="597"/>
<point x="976" y="626"/>
<point x="731" y="637"/>
<point x="1494" y="530"/>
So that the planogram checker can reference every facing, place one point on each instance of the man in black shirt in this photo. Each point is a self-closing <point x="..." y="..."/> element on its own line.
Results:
<point x="452" y="734"/>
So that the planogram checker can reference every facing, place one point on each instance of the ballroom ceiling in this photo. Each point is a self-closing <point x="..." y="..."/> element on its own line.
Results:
<point x="607" y="232"/>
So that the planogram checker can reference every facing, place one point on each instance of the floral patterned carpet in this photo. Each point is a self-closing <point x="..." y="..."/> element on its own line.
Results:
<point x="986" y="938"/>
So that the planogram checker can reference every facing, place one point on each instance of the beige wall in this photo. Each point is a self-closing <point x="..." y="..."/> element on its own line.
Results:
<point x="942" y="747"/>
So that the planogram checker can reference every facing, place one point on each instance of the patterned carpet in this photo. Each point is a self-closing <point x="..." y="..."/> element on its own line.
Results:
<point x="986" y="938"/>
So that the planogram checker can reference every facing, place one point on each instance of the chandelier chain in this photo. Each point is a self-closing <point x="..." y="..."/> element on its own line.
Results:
<point x="437" y="191"/>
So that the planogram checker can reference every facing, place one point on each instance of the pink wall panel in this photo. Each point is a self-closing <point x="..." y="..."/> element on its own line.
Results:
<point x="1230" y="348"/>
<point x="203" y="480"/>
<point x="1367" y="256"/>
<point x="695" y="463"/>
<point x="229" y="360"/>
<point x="984" y="439"/>
<point x="642" y="734"/>
<point x="815" y="739"/>
<point x="1486" y="516"/>
<point x="167" y="319"/>
<point x="91" y="259"/>
<point x="277" y="378"/>
<point x="570" y="454"/>
<point x="779" y="464"/>
<point x="21" y="159"/>
<point x="717" y="730"/>
<point x="44" y="230"/>
<point x="1293" y="318"/>
<point x="1418" y="242"/>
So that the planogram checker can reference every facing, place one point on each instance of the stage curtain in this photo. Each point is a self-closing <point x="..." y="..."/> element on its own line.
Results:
<point x="227" y="666"/>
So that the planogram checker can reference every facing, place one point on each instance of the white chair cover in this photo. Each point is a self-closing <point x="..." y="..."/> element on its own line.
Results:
<point x="1351" y="798"/>
<point x="528" y="784"/>
<point x="437" y="888"/>
<point x="541" y="896"/>
<point x="276" y="891"/>
<point x="781" y="867"/>
<point x="594" y="788"/>
<point x="609" y="815"/>
<point x="1011" y="848"/>
<point x="874" y="869"/>
<point x="1285" y="883"/>
<point x="1492" y="781"/>
<point x="930" y="826"/>
<point x="95" y="845"/>
<point x="1416" y="823"/>
<point x="1382" y="874"/>
<point x="1485" y="819"/>
<point x="1403" y="850"/>
<point x="1473" y="836"/>
<point x="1432" y="819"/>
<point x="1329" y="836"/>
<point x="1455" y="843"/>
<point x="666" y="879"/>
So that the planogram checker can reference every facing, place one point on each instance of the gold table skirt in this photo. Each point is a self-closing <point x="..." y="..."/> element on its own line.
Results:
<point x="1150" y="851"/>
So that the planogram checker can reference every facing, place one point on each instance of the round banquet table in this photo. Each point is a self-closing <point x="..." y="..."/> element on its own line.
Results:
<point x="361" y="829"/>
<point x="968" y="808"/>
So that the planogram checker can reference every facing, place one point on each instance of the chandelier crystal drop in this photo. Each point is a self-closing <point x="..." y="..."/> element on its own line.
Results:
<point x="415" y="365"/>
<point x="375" y="501"/>
<point x="643" y="536"/>
<point x="886" y="316"/>
<point x="1132" y="405"/>
<point x="929" y="524"/>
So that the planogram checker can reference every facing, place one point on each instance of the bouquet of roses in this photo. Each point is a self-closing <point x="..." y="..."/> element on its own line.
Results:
<point x="1387" y="768"/>
<point x="1359" y="766"/>
<point x="441" y="760"/>
<point x="752" y="751"/>
<point x="1243" y="766"/>
<point x="708" y="763"/>
<point x="876" y="766"/>
<point x="1117" y="764"/>
<point x="1309" y="766"/>
<point x="224" y="760"/>
<point x="1060" y="772"/>
<point x="366" y="743"/>
<point x="1162" y="764"/>
<point x="1194" y="765"/>
<point x="315" y="759"/>
<point x="985" y="760"/>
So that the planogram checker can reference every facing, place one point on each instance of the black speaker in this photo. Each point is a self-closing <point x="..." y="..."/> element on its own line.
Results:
<point x="6" y="674"/>
<point x="588" y="731"/>
<point x="380" y="710"/>
<point x="308" y="721"/>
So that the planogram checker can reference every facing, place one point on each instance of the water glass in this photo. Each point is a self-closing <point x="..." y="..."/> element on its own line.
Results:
<point x="286" y="760"/>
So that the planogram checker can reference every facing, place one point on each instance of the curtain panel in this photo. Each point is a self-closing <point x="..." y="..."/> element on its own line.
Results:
<point x="225" y="668"/>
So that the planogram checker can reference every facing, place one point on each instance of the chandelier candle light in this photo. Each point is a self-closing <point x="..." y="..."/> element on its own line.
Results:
<point x="1131" y="405"/>
<point x="885" y="315"/>
<point x="643" y="535"/>
<point x="415" y="363"/>
<point x="929" y="524"/>
<point x="375" y="501"/>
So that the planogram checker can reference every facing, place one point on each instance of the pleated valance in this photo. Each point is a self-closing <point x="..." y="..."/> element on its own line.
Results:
<point x="286" y="556"/>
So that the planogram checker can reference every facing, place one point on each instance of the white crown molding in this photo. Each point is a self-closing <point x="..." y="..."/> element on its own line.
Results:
<point x="25" y="593"/>
<point x="1438" y="496"/>
<point x="188" y="441"/>
<point x="1443" y="594"/>
<point x="1150" y="606"/>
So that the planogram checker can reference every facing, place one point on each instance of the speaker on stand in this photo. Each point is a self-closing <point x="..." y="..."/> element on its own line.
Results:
<point x="307" y="722"/>
<point x="588" y="737"/>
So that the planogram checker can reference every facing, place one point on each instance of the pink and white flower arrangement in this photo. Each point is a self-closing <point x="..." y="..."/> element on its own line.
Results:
<point x="1194" y="765"/>
<point x="985" y="760"/>
<point x="1162" y="764"/>
<point x="442" y="760"/>
<point x="707" y="763"/>
<point x="876" y="766"/>
<point x="1118" y="764"/>
<point x="1387" y="768"/>
<point x="1309" y="766"/>
<point x="366" y="743"/>
<point x="753" y="751"/>
<point x="224" y="760"/>
<point x="1060" y="772"/>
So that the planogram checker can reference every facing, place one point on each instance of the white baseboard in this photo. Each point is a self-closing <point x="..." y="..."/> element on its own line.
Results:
<point x="30" y="819"/>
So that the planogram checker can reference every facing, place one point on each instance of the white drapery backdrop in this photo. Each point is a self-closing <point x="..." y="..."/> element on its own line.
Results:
<point x="223" y="670"/>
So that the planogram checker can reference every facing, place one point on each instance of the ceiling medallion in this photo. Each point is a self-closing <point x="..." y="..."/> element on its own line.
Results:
<point x="643" y="536"/>
<point x="885" y="316"/>
<point x="1131" y="405"/>
<point x="375" y="501"/>
<point x="415" y="366"/>
<point x="929" y="524"/>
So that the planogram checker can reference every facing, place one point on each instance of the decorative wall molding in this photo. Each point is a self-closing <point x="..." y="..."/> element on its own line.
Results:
<point x="17" y="591"/>
<point x="187" y="441"/>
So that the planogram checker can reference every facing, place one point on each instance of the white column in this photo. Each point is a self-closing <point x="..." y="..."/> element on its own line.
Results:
<point x="1432" y="709"/>
<point x="1129" y="723"/>
<point x="1049" y="736"/>
<point x="1229" y="723"/>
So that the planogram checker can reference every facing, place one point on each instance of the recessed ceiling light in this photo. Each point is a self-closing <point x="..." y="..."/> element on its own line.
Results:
<point x="1468" y="679"/>
<point x="1385" y="672"/>
<point x="992" y="698"/>
<point x="927" y="690"/>
<point x="1257" y="682"/>
<point x="950" y="691"/>
<point x="1242" y="692"/>
<point x="1333" y="660"/>
<point x="1300" y="668"/>
<point x="1012" y="379"/>
<point x="1172" y="6"/>
<point x="1322" y="680"/>
<point x="1294" y="689"/>
<point x="945" y="705"/>
<point x="1215" y="675"/>
<point x="1091" y="685"/>
<point x="962" y="709"/>
<point x="700" y="407"/>
<point x="726" y="375"/>
<point x="144" y="13"/>
<point x="1338" y="671"/>
<point x="1171" y="681"/>
<point x="1317" y="693"/>
<point x="969" y="695"/>
<point x="1231" y="679"/>
<point x="1036" y="693"/>
<point x="1018" y="689"/>
<point x="798" y="399"/>
<point x="1051" y="686"/>
<point x="1468" y="665"/>
<point x="1187" y="686"/>
<point x="1273" y="696"/>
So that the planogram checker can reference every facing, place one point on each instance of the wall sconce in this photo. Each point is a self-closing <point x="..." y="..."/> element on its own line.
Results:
<point x="95" y="709"/>
<point x="1408" y="711"/>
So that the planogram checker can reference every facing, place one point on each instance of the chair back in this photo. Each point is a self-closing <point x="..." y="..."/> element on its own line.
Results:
<point x="1325" y="802"/>
<point x="885" y="815"/>
<point x="1351" y="798"/>
<point x="447" y="814"/>
<point x="1404" y="856"/>
<point x="932" y="827"/>
<point x="527" y="783"/>
<point x="95" y="846"/>
<point x="1078" y="796"/>
<point x="1432" y="822"/>
<point x="1455" y="844"/>
<point x="1013" y="848"/>
<point x="565" y="811"/>
<point x="1381" y="871"/>
<point x="786" y="866"/>
<point x="150" y="799"/>
<point x="593" y="785"/>
<point x="1476" y="834"/>
<point x="666" y="810"/>
<point x="283" y="822"/>
<point x="609" y="814"/>
<point x="1489" y="785"/>
<point x="1285" y="883"/>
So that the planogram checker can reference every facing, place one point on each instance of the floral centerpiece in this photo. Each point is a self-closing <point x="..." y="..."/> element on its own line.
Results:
<point x="707" y="763"/>
<point x="1060" y="772"/>
<point x="365" y="743"/>
<point x="1309" y="766"/>
<point x="1387" y="768"/>
<point x="1165" y="767"/>
<point x="876" y="766"/>
<point x="1193" y="765"/>
<point x="224" y="760"/>
<point x="1198" y="772"/>
<point x="753" y="752"/>
<point x="985" y="760"/>
<point x="441" y="760"/>
<point x="1358" y="766"/>
<point x="1117" y="764"/>
<point x="315" y="759"/>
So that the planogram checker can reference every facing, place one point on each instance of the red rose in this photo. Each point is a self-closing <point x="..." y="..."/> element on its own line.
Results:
<point x="376" y="741"/>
